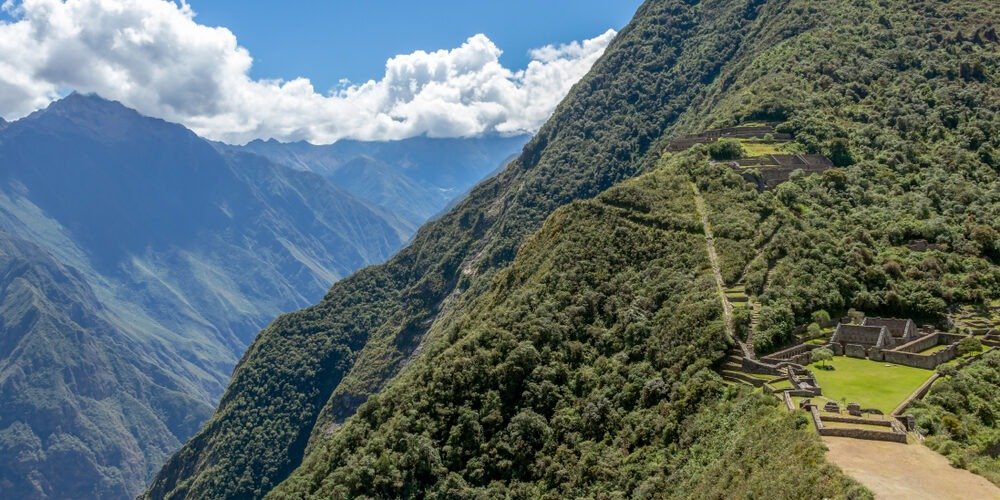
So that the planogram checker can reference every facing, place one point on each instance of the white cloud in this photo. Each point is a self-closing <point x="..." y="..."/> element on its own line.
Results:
<point x="152" y="55"/>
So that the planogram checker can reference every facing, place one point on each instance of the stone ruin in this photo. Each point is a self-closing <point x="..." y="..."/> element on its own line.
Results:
<point x="770" y="170"/>
<point x="893" y="340"/>
<point x="854" y="409"/>
<point x="872" y="337"/>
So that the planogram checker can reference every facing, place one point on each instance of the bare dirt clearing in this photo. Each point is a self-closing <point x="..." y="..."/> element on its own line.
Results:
<point x="893" y="470"/>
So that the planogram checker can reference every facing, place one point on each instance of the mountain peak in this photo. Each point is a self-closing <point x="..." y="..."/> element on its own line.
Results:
<point x="93" y="115"/>
<point x="77" y="103"/>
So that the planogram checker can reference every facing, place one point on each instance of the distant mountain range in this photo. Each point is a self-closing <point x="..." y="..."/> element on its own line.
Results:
<point x="414" y="179"/>
<point x="138" y="260"/>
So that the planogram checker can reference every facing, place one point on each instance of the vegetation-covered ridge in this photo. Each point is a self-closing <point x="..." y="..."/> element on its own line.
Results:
<point x="903" y="95"/>
<point x="584" y="370"/>
<point x="915" y="119"/>
<point x="332" y="356"/>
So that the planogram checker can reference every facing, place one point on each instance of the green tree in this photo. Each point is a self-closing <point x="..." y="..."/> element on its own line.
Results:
<point x="821" y="316"/>
<point x="821" y="356"/>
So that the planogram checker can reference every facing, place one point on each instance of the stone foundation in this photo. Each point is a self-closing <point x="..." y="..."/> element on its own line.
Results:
<point x="892" y="435"/>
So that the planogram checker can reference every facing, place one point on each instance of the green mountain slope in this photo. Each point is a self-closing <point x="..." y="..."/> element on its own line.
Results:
<point x="85" y="412"/>
<point x="367" y="327"/>
<point x="542" y="378"/>
<point x="583" y="370"/>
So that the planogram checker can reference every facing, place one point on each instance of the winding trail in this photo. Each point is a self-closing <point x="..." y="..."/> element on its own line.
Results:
<point x="713" y="257"/>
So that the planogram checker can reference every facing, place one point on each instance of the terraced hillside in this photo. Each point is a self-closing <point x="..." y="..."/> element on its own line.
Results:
<point x="578" y="361"/>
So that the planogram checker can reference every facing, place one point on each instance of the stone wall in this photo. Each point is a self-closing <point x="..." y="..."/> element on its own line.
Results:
<point x="787" y="398"/>
<point x="856" y="420"/>
<point x="872" y="435"/>
<point x="921" y="344"/>
<point x="864" y="434"/>
<point x="754" y="366"/>
<point x="899" y="328"/>
<point x="857" y="334"/>
<point x="792" y="354"/>
<point x="925" y="361"/>
<point x="950" y="338"/>
<point x="855" y="351"/>
<point x="917" y="394"/>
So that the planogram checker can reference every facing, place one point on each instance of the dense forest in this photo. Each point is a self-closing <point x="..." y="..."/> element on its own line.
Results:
<point x="576" y="362"/>
<point x="959" y="417"/>
<point x="585" y="369"/>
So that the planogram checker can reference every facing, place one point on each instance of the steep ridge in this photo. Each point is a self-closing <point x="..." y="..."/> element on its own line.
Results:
<point x="584" y="371"/>
<point x="546" y="384"/>
<point x="524" y="387"/>
<point x="333" y="355"/>
<point x="162" y="232"/>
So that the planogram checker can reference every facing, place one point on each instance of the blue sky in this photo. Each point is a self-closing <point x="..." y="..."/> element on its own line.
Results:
<point x="238" y="71"/>
<point x="329" y="40"/>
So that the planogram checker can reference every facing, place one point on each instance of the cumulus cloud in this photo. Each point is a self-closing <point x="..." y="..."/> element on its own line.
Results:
<point x="153" y="55"/>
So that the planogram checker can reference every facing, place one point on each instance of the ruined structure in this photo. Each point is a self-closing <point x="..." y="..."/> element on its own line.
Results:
<point x="902" y="330"/>
<point x="896" y="341"/>
<point x="770" y="170"/>
<point x="861" y="341"/>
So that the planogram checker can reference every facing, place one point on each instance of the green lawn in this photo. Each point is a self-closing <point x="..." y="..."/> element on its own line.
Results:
<point x="782" y="384"/>
<point x="759" y="148"/>
<point x="867" y="427"/>
<point x="934" y="349"/>
<point x="873" y="384"/>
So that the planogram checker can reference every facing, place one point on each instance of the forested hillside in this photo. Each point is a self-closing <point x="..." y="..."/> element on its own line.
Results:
<point x="584" y="367"/>
<point x="332" y="356"/>
<point x="84" y="411"/>
<point x="959" y="417"/>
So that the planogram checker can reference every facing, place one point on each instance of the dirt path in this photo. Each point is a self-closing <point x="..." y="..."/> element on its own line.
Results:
<point x="713" y="257"/>
<point x="914" y="471"/>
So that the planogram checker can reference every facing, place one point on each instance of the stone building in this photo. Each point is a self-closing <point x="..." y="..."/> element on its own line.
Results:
<point x="861" y="341"/>
<point x="902" y="330"/>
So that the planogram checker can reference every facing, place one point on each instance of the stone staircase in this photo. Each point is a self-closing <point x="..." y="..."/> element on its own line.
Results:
<point x="754" y="324"/>
<point x="732" y="369"/>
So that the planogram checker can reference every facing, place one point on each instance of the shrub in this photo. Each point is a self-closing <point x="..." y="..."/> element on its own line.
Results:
<point x="969" y="345"/>
<point x="814" y="330"/>
<point x="725" y="149"/>
<point x="821" y="316"/>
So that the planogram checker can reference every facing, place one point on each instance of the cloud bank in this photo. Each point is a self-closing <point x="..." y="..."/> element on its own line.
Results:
<point x="152" y="55"/>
